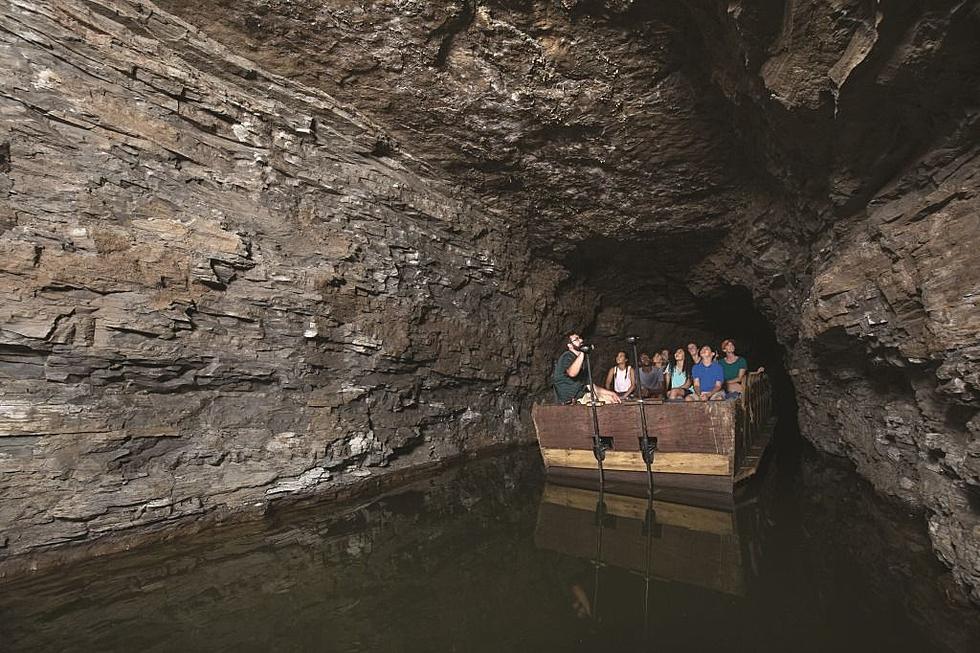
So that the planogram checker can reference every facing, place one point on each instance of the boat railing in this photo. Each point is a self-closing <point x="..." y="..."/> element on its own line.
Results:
<point x="756" y="405"/>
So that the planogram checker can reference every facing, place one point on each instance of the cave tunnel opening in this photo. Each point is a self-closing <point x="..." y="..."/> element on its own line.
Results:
<point x="644" y="289"/>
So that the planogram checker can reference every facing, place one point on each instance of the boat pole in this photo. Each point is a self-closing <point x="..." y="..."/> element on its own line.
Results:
<point x="649" y="525"/>
<point x="600" y="520"/>
<point x="598" y="448"/>
<point x="647" y="446"/>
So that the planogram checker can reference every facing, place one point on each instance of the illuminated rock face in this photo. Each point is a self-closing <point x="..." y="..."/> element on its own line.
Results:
<point x="219" y="288"/>
<point x="282" y="244"/>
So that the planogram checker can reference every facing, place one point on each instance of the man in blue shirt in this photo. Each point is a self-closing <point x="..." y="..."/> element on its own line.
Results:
<point x="708" y="378"/>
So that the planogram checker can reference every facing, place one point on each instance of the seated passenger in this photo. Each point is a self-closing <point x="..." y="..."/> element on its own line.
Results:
<point x="621" y="378"/>
<point x="567" y="374"/>
<point x="708" y="378"/>
<point x="735" y="369"/>
<point x="678" y="377"/>
<point x="692" y="355"/>
<point x="651" y="376"/>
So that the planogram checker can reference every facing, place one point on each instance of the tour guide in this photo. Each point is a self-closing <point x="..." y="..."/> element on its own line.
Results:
<point x="566" y="376"/>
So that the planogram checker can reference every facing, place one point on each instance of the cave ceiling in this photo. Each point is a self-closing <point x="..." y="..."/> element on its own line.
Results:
<point x="579" y="124"/>
<point x="633" y="141"/>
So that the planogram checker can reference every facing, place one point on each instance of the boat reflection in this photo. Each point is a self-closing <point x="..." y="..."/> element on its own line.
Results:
<point x="658" y="540"/>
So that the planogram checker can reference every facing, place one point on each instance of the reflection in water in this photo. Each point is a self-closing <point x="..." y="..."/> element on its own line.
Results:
<point x="654" y="539"/>
<point x="487" y="558"/>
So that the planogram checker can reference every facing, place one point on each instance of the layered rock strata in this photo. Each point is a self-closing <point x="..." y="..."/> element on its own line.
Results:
<point x="868" y="113"/>
<point x="219" y="287"/>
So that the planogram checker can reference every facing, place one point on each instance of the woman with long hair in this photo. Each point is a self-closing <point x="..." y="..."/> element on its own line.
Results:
<point x="621" y="378"/>
<point x="678" y="376"/>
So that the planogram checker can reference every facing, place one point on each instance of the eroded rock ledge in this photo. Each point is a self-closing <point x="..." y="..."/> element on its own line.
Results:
<point x="441" y="188"/>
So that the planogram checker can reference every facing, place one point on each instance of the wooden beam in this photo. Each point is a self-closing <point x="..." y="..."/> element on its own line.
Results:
<point x="631" y="461"/>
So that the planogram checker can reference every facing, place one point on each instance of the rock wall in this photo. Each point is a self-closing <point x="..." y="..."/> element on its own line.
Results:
<point x="867" y="114"/>
<point x="219" y="287"/>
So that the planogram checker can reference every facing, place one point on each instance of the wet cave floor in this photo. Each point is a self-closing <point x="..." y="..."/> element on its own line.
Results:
<point x="487" y="556"/>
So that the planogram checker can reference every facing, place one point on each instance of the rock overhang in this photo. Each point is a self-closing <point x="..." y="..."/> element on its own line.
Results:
<point x="572" y="123"/>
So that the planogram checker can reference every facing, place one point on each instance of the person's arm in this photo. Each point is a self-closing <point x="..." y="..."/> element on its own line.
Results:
<point x="610" y="375"/>
<point x="711" y="393"/>
<point x="576" y="366"/>
<point x="632" y="381"/>
<point x="741" y="375"/>
<point x="697" y="385"/>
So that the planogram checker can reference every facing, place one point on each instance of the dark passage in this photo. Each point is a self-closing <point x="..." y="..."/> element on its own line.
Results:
<point x="644" y="288"/>
<point x="487" y="558"/>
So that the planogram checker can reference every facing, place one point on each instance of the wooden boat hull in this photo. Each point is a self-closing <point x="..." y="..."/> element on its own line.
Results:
<point x="702" y="447"/>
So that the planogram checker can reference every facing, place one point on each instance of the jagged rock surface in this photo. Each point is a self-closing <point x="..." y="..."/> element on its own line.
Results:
<point x="651" y="160"/>
<point x="218" y="288"/>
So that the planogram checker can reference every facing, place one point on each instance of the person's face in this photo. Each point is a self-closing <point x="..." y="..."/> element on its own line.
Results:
<point x="576" y="340"/>
<point x="679" y="354"/>
<point x="706" y="354"/>
<point x="665" y="353"/>
<point x="645" y="359"/>
<point x="658" y="360"/>
<point x="692" y="349"/>
<point x="621" y="358"/>
<point x="728" y="347"/>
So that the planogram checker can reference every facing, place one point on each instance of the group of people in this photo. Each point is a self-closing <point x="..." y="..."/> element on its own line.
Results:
<point x="691" y="374"/>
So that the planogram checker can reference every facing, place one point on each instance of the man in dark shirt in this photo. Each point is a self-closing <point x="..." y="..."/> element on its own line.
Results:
<point x="567" y="375"/>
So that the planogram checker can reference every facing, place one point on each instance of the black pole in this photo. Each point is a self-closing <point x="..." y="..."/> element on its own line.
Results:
<point x="649" y="523"/>
<point x="600" y="516"/>
<point x="598" y="449"/>
<point x="646" y="445"/>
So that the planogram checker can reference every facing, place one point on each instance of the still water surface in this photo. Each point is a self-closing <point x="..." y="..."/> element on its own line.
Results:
<point x="488" y="557"/>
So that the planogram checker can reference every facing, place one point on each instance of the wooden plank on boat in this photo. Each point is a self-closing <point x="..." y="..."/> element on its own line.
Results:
<point x="692" y="518"/>
<point x="697" y="427"/>
<point x="674" y="463"/>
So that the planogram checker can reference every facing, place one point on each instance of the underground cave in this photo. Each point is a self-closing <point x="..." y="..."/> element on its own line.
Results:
<point x="268" y="254"/>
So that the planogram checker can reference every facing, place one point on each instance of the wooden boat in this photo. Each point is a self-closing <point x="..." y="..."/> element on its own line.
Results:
<point x="704" y="447"/>
<point x="656" y="539"/>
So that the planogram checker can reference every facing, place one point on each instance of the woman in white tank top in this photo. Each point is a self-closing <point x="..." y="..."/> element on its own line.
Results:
<point x="621" y="379"/>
